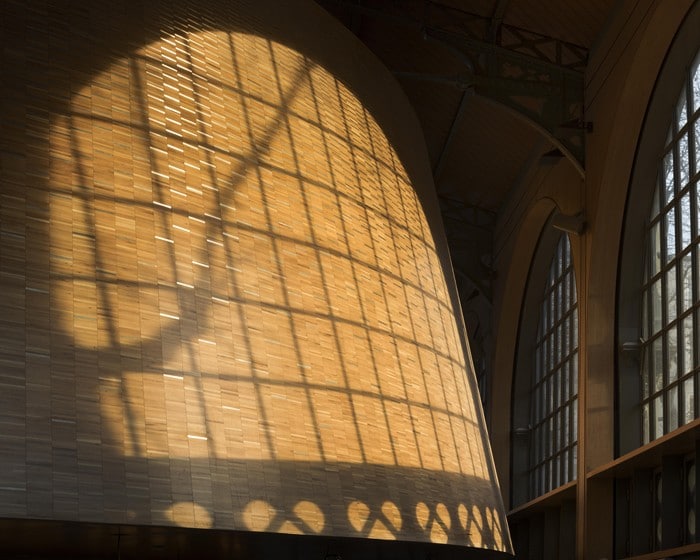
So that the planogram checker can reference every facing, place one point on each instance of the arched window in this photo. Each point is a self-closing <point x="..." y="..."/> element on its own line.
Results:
<point x="545" y="415"/>
<point x="553" y="412"/>
<point x="670" y="306"/>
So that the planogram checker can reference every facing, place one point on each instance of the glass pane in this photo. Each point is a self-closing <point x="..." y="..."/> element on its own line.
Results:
<point x="558" y="258"/>
<point x="557" y="344"/>
<point x="681" y="111"/>
<point x="688" y="362"/>
<point x="697" y="144"/>
<point x="552" y="318"/>
<point x="541" y="412"/>
<point x="696" y="187"/>
<point x="696" y="337"/>
<point x="695" y="84"/>
<point x="560" y="300"/>
<point x="670" y="232"/>
<point x="656" y="301"/>
<point x="645" y="422"/>
<point x="686" y="282"/>
<point x="688" y="400"/>
<point x="672" y="354"/>
<point x="667" y="179"/>
<point x="683" y="161"/>
<point x="557" y="433"/>
<point x="658" y="417"/>
<point x="655" y="249"/>
<point x="647" y="371"/>
<point x="550" y="346"/>
<point x="685" y="220"/>
<point x="657" y="361"/>
<point x="672" y="408"/>
<point x="671" y="299"/>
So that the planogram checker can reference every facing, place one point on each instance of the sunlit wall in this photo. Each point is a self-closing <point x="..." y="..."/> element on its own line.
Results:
<point x="223" y="304"/>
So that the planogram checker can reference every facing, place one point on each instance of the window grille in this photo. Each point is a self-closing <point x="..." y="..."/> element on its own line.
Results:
<point x="554" y="414"/>
<point x="670" y="297"/>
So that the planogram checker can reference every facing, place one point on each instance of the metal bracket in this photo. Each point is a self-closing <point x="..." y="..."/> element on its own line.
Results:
<point x="546" y="96"/>
<point x="536" y="77"/>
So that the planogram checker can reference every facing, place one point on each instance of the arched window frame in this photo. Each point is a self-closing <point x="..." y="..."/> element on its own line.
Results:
<point x="554" y="394"/>
<point x="652" y="333"/>
<point x="669" y="290"/>
<point x="542" y="462"/>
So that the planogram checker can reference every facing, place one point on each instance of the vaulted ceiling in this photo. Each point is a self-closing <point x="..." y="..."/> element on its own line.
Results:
<point x="498" y="88"/>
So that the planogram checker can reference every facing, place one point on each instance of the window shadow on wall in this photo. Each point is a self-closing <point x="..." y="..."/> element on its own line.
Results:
<point x="239" y="319"/>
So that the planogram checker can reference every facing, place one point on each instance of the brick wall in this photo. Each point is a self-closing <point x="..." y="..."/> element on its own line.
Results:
<point x="223" y="305"/>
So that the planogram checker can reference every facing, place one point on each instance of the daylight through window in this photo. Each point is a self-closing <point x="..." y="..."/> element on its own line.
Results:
<point x="554" y="418"/>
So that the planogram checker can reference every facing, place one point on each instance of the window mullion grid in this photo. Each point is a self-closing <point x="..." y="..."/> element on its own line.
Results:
<point x="674" y="315"/>
<point x="553" y="400"/>
<point x="677" y="302"/>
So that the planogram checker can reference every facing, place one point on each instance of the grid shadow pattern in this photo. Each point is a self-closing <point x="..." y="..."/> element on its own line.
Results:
<point x="224" y="307"/>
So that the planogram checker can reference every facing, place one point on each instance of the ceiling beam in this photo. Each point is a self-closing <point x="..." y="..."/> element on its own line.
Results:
<point x="454" y="127"/>
<point x="538" y="78"/>
<point x="542" y="94"/>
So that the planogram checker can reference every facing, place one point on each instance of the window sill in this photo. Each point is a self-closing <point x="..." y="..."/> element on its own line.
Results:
<point x="553" y="498"/>
<point x="678" y="442"/>
<point x="667" y="553"/>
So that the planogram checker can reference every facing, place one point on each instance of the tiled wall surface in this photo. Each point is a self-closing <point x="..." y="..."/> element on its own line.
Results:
<point x="222" y="305"/>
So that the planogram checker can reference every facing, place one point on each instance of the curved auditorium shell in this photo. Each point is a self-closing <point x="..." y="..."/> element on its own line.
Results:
<point x="227" y="302"/>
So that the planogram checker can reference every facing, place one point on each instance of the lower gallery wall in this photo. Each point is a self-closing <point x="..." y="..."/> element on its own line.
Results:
<point x="225" y="302"/>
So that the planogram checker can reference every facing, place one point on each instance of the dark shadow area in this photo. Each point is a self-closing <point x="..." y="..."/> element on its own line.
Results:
<point x="415" y="517"/>
<point x="68" y="540"/>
